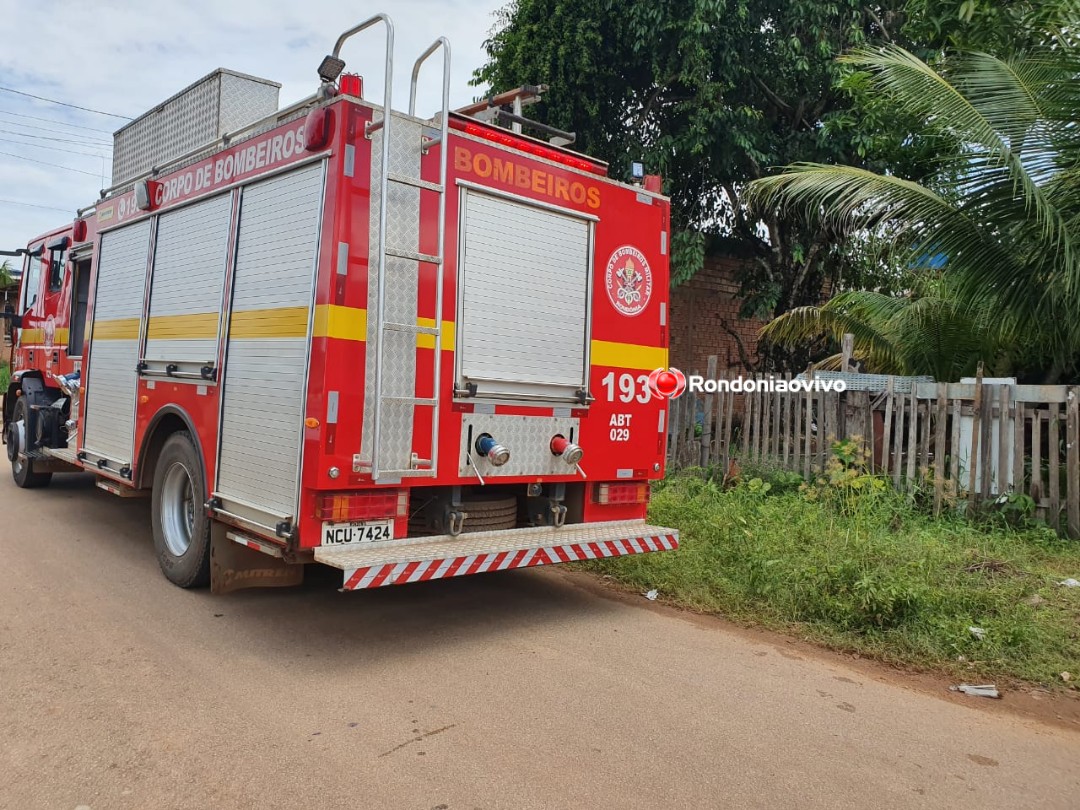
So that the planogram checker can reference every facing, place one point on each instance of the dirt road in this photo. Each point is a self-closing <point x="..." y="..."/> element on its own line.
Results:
<point x="516" y="690"/>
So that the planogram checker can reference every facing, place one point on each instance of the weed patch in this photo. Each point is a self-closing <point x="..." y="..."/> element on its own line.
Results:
<point x="847" y="561"/>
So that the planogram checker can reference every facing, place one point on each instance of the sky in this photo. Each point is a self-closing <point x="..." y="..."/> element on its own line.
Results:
<point x="124" y="57"/>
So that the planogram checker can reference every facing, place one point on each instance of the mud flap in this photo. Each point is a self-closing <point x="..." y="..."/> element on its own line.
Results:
<point x="234" y="567"/>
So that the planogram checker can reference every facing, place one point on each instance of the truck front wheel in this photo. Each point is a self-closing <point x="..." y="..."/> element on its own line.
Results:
<point x="181" y="526"/>
<point x="22" y="470"/>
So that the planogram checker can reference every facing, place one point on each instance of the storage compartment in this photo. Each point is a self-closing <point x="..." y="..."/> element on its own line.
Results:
<point x="525" y="275"/>
<point x="222" y="102"/>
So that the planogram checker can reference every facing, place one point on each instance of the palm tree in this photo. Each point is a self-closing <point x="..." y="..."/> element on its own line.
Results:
<point x="923" y="332"/>
<point x="6" y="279"/>
<point x="1002" y="206"/>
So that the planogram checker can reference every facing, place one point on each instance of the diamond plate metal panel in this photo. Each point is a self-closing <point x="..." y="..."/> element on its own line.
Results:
<point x="217" y="103"/>
<point x="400" y="282"/>
<point x="445" y="546"/>
<point x="528" y="438"/>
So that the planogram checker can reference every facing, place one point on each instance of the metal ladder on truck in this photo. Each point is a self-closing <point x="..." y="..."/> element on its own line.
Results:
<point x="401" y="140"/>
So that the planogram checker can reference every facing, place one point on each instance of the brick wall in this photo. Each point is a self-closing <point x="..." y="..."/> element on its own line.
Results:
<point x="700" y="310"/>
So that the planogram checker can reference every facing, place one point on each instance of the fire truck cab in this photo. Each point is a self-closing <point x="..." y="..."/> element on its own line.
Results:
<point x="337" y="332"/>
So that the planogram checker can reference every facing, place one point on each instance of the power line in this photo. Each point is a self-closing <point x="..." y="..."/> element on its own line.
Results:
<point x="64" y="149"/>
<point x="47" y="138"/>
<point x="54" y="165"/>
<point x="33" y="205"/>
<point x="34" y="130"/>
<point x="55" y="122"/>
<point x="64" y="104"/>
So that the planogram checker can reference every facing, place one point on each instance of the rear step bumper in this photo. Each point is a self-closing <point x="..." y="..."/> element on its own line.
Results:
<point x="397" y="562"/>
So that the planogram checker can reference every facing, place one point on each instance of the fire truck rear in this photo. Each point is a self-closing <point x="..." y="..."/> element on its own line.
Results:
<point x="406" y="348"/>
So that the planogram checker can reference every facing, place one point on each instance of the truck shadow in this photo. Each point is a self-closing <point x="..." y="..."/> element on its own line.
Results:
<point x="315" y="621"/>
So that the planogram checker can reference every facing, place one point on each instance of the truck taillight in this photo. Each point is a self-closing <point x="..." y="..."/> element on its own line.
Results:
<point x="341" y="506"/>
<point x="637" y="492"/>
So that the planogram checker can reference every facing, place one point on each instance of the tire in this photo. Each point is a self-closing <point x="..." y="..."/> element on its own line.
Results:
<point x="181" y="526"/>
<point x="489" y="514"/>
<point x="22" y="470"/>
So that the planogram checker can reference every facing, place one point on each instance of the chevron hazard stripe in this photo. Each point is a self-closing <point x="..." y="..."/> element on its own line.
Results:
<point x="401" y="573"/>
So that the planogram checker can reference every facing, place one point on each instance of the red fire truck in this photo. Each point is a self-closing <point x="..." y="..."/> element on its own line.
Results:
<point x="338" y="333"/>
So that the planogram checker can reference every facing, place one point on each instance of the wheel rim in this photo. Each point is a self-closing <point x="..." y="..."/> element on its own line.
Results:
<point x="178" y="509"/>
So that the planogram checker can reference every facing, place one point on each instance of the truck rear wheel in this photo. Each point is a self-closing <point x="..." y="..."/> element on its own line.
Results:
<point x="181" y="526"/>
<point x="22" y="470"/>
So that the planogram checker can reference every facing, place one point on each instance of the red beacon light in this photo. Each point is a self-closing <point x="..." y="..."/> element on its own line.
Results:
<point x="351" y="84"/>
<point x="566" y="449"/>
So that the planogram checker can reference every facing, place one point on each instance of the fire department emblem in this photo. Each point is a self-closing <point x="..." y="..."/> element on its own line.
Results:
<point x="628" y="280"/>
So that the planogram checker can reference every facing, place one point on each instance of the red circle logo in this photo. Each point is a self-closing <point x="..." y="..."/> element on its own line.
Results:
<point x="667" y="383"/>
<point x="628" y="280"/>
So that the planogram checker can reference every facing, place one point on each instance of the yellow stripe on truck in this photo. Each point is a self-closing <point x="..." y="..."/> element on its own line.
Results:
<point x="428" y="341"/>
<point x="119" y="329"/>
<point x="628" y="355"/>
<point x="343" y="323"/>
<point x="284" y="322"/>
<point x="203" y="325"/>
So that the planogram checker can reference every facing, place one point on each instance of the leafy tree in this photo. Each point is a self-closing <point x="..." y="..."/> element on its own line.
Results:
<point x="713" y="94"/>
<point x="6" y="279"/>
<point x="1002" y="207"/>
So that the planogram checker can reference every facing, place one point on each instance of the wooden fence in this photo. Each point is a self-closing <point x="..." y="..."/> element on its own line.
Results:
<point x="969" y="442"/>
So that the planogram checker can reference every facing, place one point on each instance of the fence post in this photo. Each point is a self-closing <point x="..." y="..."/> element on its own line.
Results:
<point x="1054" y="516"/>
<point x="886" y="438"/>
<point x="1018" y="446"/>
<point x="807" y="417"/>
<point x="913" y="437"/>
<point x="941" y="415"/>
<point x="762" y="406"/>
<point x="675" y="417"/>
<point x="729" y="419"/>
<point x="789" y="427"/>
<point x="1072" y="440"/>
<point x="986" y="441"/>
<point x="973" y="456"/>
<point x="847" y="347"/>
<point x="1003" y="440"/>
<point x="707" y="420"/>
<point x="1036" y="455"/>
<point x="898" y="439"/>
<point x="954" y="446"/>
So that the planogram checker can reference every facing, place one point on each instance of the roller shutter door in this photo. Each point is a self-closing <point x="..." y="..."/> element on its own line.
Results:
<point x="267" y="356"/>
<point x="185" y="295"/>
<point x="111" y="377"/>
<point x="524" y="289"/>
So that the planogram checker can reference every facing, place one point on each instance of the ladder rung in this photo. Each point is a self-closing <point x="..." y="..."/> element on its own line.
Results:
<point x="412" y="400"/>
<point x="415" y="182"/>
<point x="411" y="327"/>
<point x="416" y="257"/>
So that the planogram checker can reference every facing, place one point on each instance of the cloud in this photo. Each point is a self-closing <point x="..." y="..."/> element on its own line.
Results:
<point x="128" y="57"/>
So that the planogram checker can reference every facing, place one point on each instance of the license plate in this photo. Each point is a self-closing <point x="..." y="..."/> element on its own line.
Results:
<point x="368" y="531"/>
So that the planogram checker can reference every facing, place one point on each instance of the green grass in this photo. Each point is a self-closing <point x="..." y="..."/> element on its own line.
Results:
<point x="870" y="574"/>
<point x="5" y="377"/>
